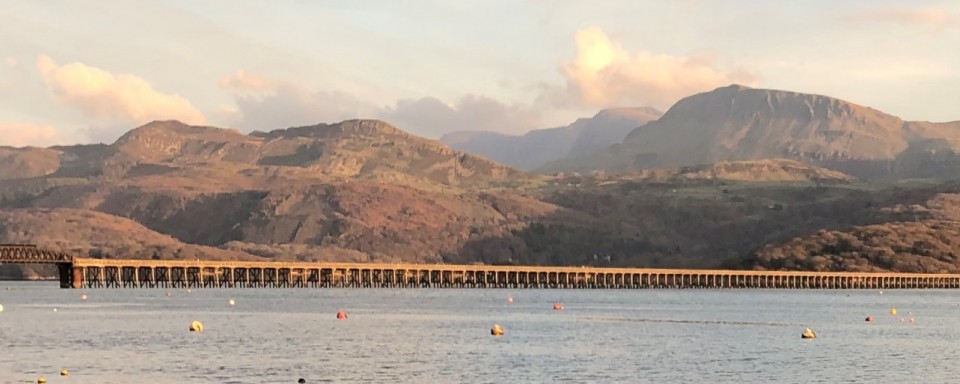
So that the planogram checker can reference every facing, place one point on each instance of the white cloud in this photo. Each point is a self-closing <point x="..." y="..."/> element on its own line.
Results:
<point x="107" y="98"/>
<point x="603" y="74"/>
<point x="20" y="135"/>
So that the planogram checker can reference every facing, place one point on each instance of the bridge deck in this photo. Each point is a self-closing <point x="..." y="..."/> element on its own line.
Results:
<point x="119" y="273"/>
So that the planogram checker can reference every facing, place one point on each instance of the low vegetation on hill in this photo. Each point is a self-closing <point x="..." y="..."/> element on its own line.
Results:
<point x="929" y="246"/>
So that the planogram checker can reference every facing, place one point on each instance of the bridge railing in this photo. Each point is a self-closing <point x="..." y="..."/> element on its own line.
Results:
<point x="31" y="254"/>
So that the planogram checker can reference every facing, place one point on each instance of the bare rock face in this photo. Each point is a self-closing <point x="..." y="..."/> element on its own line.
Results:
<point x="739" y="123"/>
<point x="541" y="146"/>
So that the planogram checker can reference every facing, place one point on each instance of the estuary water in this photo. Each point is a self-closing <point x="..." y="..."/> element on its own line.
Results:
<point x="443" y="336"/>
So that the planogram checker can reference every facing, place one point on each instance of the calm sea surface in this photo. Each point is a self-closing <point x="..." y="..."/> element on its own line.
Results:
<point x="443" y="336"/>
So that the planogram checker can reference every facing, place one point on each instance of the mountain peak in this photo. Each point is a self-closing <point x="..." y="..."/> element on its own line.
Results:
<point x="738" y="87"/>
<point x="635" y="113"/>
<point x="355" y="126"/>
<point x="735" y="123"/>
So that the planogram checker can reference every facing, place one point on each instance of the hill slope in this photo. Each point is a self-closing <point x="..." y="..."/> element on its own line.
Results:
<point x="355" y="149"/>
<point x="540" y="146"/>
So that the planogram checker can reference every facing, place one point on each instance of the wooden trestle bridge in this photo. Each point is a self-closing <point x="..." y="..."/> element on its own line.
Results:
<point x="78" y="272"/>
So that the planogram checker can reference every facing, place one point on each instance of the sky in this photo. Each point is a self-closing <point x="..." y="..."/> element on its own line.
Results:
<point x="84" y="72"/>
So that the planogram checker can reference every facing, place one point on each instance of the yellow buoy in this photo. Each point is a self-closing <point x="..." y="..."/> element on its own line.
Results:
<point x="1" y="308"/>
<point x="808" y="334"/>
<point x="41" y="380"/>
<point x="64" y="372"/>
<point x="196" y="326"/>
<point x="893" y="311"/>
<point x="231" y="302"/>
<point x="496" y="330"/>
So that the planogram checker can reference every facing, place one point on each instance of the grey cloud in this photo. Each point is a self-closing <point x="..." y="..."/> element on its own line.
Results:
<point x="290" y="105"/>
<point x="432" y="118"/>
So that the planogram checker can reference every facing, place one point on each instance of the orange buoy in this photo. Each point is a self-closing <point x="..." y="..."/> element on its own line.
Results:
<point x="558" y="307"/>
<point x="869" y="318"/>
<point x="83" y="297"/>
<point x="167" y="294"/>
<point x="341" y="315"/>
<point x="509" y="299"/>
<point x="901" y="319"/>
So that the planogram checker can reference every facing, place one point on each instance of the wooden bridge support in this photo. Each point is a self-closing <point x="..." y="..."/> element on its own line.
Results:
<point x="97" y="273"/>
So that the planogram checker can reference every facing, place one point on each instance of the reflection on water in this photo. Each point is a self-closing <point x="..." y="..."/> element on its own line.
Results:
<point x="443" y="336"/>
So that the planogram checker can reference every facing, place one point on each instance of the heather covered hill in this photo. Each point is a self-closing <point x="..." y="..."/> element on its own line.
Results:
<point x="739" y="123"/>
<point x="541" y="146"/>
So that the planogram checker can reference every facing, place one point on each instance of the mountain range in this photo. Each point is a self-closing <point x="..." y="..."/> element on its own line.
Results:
<point x="538" y="147"/>
<point x="697" y="191"/>
<point x="740" y="123"/>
